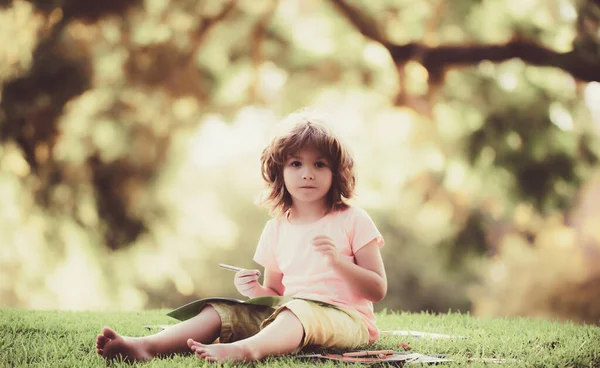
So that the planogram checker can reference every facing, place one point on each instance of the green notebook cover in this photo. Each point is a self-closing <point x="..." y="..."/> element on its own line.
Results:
<point x="193" y="308"/>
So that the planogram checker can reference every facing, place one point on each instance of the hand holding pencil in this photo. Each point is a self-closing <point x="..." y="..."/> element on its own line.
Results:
<point x="245" y="281"/>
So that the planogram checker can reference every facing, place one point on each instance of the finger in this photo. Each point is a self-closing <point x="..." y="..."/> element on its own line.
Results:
<point x="245" y="273"/>
<point x="242" y="282"/>
<point x="323" y="246"/>
<point x="326" y="252"/>
<point x="245" y="286"/>
<point x="327" y="255"/>
<point x="318" y="248"/>
<point x="246" y="278"/>
<point x="322" y="241"/>
<point x="322" y="237"/>
<point x="251" y="276"/>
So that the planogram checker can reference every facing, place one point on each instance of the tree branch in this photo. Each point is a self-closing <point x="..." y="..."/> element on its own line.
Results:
<point x="206" y="25"/>
<point x="364" y="24"/>
<point x="257" y="37"/>
<point x="437" y="59"/>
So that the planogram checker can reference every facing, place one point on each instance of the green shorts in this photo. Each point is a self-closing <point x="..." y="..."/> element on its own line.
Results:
<point x="324" y="325"/>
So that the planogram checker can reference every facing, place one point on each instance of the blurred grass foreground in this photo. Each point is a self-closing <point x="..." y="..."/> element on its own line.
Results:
<point x="130" y="134"/>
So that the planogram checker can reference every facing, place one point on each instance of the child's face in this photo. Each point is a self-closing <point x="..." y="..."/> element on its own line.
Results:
<point x="307" y="176"/>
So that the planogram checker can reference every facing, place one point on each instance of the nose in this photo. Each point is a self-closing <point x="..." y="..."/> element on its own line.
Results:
<point x="307" y="174"/>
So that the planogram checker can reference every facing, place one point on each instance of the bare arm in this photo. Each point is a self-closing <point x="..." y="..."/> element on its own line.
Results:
<point x="272" y="282"/>
<point x="367" y="277"/>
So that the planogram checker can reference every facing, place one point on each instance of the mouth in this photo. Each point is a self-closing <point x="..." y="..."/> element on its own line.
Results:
<point x="307" y="187"/>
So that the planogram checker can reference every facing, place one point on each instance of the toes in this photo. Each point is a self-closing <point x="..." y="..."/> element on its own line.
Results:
<point x="109" y="333"/>
<point x="101" y="340"/>
<point x="191" y="343"/>
<point x="203" y="354"/>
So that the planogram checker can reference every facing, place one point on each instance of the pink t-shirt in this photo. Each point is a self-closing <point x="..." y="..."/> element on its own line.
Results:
<point x="285" y="248"/>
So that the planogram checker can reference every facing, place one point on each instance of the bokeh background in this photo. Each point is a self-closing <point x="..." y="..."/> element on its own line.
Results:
<point x="131" y="130"/>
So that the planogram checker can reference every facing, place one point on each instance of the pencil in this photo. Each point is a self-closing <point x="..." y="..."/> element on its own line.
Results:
<point x="368" y="353"/>
<point x="233" y="268"/>
<point x="229" y="267"/>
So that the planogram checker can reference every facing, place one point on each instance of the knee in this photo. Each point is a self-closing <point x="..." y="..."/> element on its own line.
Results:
<point x="290" y="319"/>
<point x="288" y="315"/>
<point x="294" y="324"/>
<point x="208" y="309"/>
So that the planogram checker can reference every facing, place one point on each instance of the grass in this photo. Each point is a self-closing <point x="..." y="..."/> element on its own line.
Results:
<point x="66" y="339"/>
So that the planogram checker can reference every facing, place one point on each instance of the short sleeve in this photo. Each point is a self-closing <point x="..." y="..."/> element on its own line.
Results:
<point x="265" y="250"/>
<point x="362" y="230"/>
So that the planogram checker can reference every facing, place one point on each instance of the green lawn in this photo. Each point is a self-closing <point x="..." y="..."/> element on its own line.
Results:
<point x="66" y="339"/>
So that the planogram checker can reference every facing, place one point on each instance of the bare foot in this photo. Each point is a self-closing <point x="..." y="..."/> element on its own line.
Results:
<point x="222" y="353"/>
<point x="111" y="345"/>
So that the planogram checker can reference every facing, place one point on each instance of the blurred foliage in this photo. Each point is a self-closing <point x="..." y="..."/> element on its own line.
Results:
<point x="555" y="275"/>
<point x="130" y="135"/>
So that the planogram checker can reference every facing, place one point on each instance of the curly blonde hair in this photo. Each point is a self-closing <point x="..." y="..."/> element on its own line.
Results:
<point x="302" y="131"/>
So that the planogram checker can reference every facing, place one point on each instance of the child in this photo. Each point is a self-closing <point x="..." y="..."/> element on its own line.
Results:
<point x="320" y="253"/>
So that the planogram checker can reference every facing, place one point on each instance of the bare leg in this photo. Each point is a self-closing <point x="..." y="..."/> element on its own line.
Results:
<point x="282" y="336"/>
<point x="205" y="327"/>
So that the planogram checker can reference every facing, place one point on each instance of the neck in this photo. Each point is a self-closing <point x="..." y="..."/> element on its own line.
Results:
<point x="307" y="212"/>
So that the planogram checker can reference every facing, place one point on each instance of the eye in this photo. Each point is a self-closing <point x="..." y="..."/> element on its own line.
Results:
<point x="295" y="164"/>
<point x="320" y="164"/>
